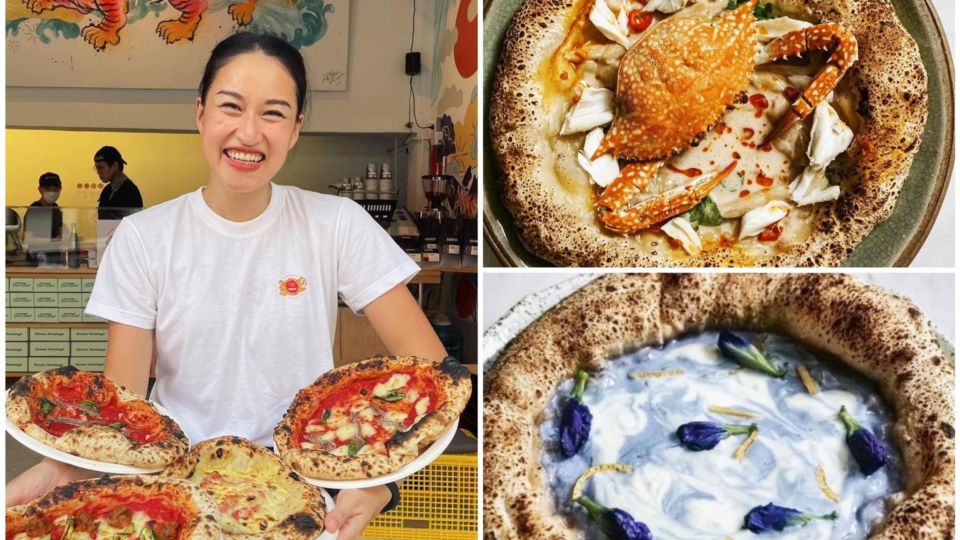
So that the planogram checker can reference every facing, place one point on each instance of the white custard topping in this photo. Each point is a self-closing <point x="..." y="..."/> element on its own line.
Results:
<point x="682" y="494"/>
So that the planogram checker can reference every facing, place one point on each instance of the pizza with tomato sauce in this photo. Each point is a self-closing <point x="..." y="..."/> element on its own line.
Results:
<point x="256" y="494"/>
<point x="370" y="418"/>
<point x="117" y="508"/>
<point x="87" y="415"/>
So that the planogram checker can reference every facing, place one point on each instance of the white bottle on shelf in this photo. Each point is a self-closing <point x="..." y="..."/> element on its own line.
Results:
<point x="388" y="190"/>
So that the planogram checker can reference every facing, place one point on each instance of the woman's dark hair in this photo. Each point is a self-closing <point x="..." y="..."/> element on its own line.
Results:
<point x="247" y="42"/>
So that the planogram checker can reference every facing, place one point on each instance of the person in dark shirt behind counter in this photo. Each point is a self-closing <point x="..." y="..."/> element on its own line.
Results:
<point x="43" y="222"/>
<point x="120" y="193"/>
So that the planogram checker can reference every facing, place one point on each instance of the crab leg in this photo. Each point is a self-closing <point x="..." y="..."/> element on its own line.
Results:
<point x="619" y="215"/>
<point x="822" y="36"/>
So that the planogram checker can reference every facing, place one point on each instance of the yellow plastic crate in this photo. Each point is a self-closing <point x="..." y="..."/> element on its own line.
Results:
<point x="437" y="503"/>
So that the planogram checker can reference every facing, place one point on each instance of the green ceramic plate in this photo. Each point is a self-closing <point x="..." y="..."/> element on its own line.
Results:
<point x="892" y="243"/>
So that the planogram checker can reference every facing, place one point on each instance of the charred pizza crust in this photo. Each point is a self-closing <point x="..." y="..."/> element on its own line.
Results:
<point x="402" y="448"/>
<point x="97" y="442"/>
<point x="884" y="337"/>
<point x="260" y="497"/>
<point x="199" y="517"/>
<point x="889" y="80"/>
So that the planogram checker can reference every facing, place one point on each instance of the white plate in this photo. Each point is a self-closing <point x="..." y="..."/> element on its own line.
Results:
<point x="330" y="506"/>
<point x="77" y="461"/>
<point x="424" y="459"/>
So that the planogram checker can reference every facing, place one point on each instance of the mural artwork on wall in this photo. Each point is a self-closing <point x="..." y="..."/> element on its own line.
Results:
<point x="162" y="44"/>
<point x="455" y="93"/>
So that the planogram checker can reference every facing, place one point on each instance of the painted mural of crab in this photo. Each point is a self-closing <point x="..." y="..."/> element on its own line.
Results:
<point x="675" y="83"/>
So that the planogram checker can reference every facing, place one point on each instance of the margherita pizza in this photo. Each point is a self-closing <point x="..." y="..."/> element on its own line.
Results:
<point x="257" y="495"/>
<point x="688" y="132"/>
<point x="87" y="415"/>
<point x="370" y="418"/>
<point x="139" y="507"/>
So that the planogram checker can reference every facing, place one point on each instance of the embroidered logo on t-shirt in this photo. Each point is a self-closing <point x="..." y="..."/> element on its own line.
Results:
<point x="293" y="286"/>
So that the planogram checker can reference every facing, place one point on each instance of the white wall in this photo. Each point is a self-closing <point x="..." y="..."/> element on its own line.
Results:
<point x="375" y="102"/>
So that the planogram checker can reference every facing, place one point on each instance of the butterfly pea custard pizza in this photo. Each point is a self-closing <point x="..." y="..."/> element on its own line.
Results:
<point x="87" y="415"/>
<point x="689" y="406"/>
<point x="372" y="417"/>
<point x="704" y="132"/>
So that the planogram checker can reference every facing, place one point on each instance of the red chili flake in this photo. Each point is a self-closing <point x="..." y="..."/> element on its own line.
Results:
<point x="736" y="155"/>
<point x="749" y="182"/>
<point x="747" y="133"/>
<point x="563" y="76"/>
<point x="726" y="241"/>
<point x="720" y="127"/>
<point x="674" y="243"/>
<point x="764" y="180"/>
<point x="759" y="102"/>
<point x="639" y="20"/>
<point x="729" y="129"/>
<point x="770" y="233"/>
<point x="791" y="93"/>
<point x="744" y="193"/>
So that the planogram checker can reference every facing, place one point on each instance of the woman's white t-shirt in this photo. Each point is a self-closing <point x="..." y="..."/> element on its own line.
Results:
<point x="244" y="313"/>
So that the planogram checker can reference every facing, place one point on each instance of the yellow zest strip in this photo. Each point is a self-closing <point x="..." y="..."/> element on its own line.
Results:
<point x="742" y="449"/>
<point x="656" y="374"/>
<point x="578" y="486"/>
<point x="807" y="380"/>
<point x="732" y="412"/>
<point x="827" y="492"/>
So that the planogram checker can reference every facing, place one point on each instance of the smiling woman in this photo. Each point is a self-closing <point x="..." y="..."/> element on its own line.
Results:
<point x="242" y="277"/>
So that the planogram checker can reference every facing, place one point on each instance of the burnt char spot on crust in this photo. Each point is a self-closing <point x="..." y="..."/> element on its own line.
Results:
<point x="21" y="388"/>
<point x="66" y="371"/>
<point x="402" y="436"/>
<point x="947" y="430"/>
<point x="453" y="368"/>
<point x="304" y="523"/>
<point x="219" y="453"/>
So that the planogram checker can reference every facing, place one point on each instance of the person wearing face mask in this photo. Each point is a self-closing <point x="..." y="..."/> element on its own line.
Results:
<point x="43" y="222"/>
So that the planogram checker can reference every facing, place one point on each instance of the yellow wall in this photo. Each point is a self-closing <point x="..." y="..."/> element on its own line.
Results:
<point x="167" y="165"/>
<point x="163" y="165"/>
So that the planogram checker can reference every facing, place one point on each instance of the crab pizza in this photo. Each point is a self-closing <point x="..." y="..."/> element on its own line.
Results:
<point x="141" y="507"/>
<point x="704" y="132"/>
<point x="372" y="417"/>
<point x="87" y="415"/>
<point x="691" y="406"/>
<point x="256" y="494"/>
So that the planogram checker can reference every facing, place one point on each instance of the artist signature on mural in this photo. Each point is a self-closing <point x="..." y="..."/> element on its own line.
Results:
<point x="333" y="76"/>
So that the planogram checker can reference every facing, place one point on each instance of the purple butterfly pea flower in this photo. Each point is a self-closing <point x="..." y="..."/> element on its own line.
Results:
<point x="614" y="522"/>
<point x="867" y="448"/>
<point x="746" y="354"/>
<point x="699" y="436"/>
<point x="576" y="420"/>
<point x="773" y="518"/>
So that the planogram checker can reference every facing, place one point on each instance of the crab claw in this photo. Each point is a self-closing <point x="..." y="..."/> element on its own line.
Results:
<point x="825" y="36"/>
<point x="618" y="214"/>
<point x="677" y="80"/>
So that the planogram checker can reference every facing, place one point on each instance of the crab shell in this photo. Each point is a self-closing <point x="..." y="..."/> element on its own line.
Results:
<point x="677" y="81"/>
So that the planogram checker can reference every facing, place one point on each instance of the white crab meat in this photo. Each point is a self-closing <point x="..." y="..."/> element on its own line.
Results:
<point x="594" y="109"/>
<point x="665" y="6"/>
<point x="680" y="229"/>
<point x="602" y="170"/>
<point x="606" y="21"/>
<point x="812" y="187"/>
<point x="771" y="29"/>
<point x="829" y="136"/>
<point x="758" y="219"/>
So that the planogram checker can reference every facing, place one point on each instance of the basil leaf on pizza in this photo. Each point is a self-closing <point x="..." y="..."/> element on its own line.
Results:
<point x="370" y="418"/>
<point x="87" y="415"/>
<point x="611" y="119"/>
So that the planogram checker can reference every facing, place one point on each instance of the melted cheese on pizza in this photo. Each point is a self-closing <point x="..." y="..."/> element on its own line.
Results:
<point x="361" y="416"/>
<point x="248" y="502"/>
<point x="683" y="494"/>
